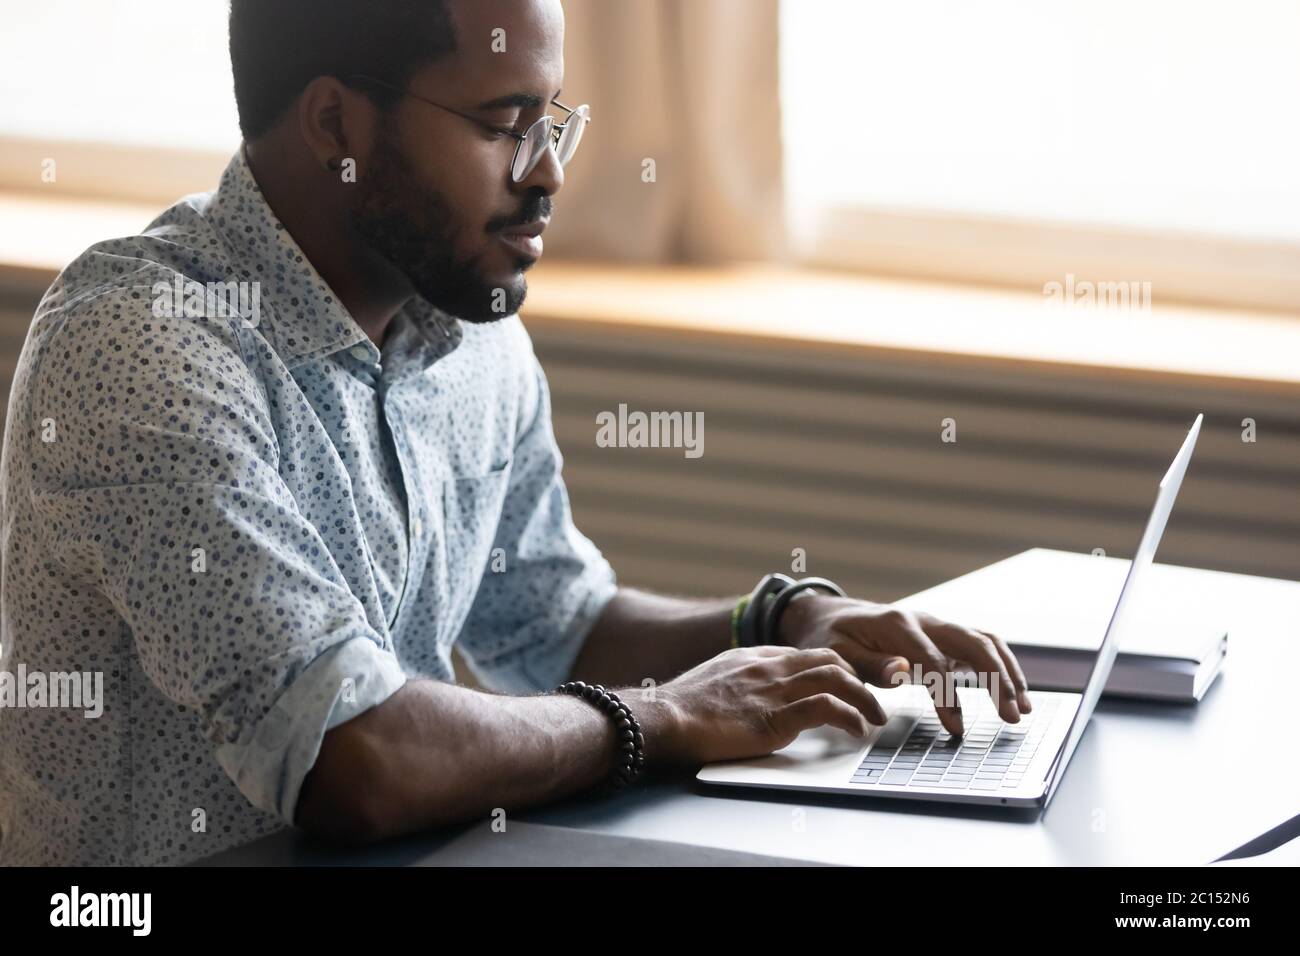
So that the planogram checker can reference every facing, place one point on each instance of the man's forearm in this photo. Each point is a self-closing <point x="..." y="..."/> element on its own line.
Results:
<point x="436" y="753"/>
<point x="641" y="635"/>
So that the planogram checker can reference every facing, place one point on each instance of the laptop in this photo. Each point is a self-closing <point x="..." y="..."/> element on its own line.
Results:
<point x="994" y="763"/>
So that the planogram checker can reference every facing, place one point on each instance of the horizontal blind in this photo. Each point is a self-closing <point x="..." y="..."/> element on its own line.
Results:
<point x="841" y="455"/>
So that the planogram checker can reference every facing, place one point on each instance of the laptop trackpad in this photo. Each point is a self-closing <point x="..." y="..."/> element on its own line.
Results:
<point x="823" y="742"/>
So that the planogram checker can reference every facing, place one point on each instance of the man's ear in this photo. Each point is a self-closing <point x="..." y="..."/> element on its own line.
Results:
<point x="336" y="122"/>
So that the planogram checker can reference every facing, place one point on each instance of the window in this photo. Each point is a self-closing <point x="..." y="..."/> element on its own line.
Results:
<point x="144" y="73"/>
<point x="982" y="128"/>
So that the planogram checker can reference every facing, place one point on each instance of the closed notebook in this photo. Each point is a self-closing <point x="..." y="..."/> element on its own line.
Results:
<point x="1053" y="608"/>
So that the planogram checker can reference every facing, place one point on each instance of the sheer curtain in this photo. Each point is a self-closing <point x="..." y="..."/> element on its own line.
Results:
<point x="682" y="161"/>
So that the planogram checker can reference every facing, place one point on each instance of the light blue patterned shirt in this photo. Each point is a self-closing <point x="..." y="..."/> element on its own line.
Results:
<point x="256" y="526"/>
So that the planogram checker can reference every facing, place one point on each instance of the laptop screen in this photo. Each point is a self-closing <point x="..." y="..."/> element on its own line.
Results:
<point x="1122" y="614"/>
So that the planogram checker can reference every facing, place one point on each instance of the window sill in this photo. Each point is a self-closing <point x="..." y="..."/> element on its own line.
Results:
<point x="807" y="308"/>
<point x="795" y="308"/>
<point x="44" y="233"/>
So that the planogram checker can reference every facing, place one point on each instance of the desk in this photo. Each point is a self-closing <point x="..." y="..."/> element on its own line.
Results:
<point x="1150" y="784"/>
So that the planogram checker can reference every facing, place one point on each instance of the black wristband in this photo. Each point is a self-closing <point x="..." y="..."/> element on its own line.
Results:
<point x="772" y="619"/>
<point x="751" y="619"/>
<point x="630" y="761"/>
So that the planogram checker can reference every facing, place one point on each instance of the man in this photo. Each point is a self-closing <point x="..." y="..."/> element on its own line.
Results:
<point x="269" y="462"/>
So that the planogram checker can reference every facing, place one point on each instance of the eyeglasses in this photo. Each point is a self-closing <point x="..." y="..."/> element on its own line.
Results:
<point x="530" y="146"/>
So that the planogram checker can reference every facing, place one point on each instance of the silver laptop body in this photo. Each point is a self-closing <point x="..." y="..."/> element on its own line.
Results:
<point x="913" y="758"/>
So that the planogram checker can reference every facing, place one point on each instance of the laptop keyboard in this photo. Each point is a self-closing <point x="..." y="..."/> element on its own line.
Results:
<point x="993" y="755"/>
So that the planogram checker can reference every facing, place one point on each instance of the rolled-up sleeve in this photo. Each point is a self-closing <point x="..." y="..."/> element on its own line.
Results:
<point x="534" y="609"/>
<point x="233" y="603"/>
<point x="345" y="681"/>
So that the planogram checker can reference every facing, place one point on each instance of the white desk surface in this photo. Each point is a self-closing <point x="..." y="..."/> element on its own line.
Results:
<point x="1150" y="784"/>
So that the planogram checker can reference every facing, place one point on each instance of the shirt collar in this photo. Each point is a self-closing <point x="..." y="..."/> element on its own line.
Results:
<point x="418" y="336"/>
<point x="305" y="320"/>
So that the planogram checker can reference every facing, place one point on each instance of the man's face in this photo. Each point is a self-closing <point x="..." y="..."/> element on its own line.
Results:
<point x="435" y="197"/>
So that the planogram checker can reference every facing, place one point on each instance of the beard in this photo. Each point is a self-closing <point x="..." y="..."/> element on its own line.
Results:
<point x="414" y="228"/>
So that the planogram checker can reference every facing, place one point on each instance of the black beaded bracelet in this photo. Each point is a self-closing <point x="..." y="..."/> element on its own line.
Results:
<point x="627" y="730"/>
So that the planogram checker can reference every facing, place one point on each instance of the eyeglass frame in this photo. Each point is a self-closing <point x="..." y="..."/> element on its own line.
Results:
<point x="557" y="129"/>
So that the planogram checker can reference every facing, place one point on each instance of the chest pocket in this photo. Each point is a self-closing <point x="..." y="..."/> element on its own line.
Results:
<point x="471" y="512"/>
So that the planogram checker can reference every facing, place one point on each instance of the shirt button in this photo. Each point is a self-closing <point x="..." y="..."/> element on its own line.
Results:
<point x="361" y="353"/>
<point x="417" y="526"/>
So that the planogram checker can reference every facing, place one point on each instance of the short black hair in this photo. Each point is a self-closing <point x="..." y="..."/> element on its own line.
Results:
<point x="277" y="47"/>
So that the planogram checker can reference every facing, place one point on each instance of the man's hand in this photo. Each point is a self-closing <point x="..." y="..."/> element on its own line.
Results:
<point x="750" y="701"/>
<point x="888" y="645"/>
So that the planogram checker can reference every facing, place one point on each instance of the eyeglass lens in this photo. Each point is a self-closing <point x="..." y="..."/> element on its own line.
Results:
<point x="539" y="137"/>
